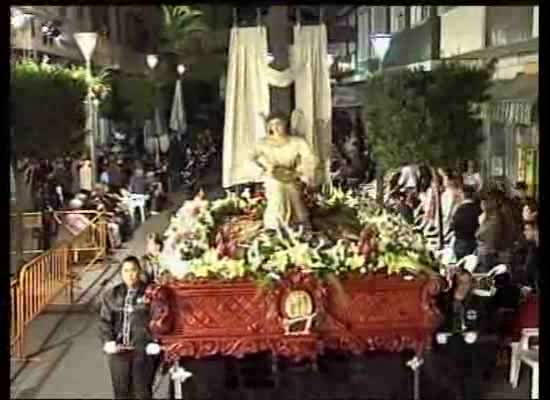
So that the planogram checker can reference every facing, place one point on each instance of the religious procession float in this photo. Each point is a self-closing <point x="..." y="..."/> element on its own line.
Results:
<point x="357" y="279"/>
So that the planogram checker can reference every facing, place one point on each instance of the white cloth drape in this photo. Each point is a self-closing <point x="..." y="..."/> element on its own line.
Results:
<point x="247" y="98"/>
<point x="246" y="103"/>
<point x="178" y="120"/>
<point x="313" y="94"/>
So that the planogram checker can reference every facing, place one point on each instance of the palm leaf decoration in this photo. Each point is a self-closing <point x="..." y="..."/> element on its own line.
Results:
<point x="180" y="23"/>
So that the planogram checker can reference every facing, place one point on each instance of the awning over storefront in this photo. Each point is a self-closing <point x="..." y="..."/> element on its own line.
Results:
<point x="414" y="45"/>
<point x="513" y="101"/>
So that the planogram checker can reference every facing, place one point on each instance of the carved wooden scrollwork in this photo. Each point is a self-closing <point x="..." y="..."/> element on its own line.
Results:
<point x="380" y="313"/>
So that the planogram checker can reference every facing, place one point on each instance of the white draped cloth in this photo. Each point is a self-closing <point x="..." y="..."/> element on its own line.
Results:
<point x="247" y="98"/>
<point x="246" y="103"/>
<point x="313" y="94"/>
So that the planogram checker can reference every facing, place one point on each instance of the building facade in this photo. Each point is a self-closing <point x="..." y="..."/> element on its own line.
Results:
<point x="508" y="37"/>
<point x="126" y="34"/>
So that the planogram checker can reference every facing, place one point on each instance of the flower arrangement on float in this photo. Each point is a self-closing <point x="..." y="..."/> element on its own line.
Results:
<point x="204" y="241"/>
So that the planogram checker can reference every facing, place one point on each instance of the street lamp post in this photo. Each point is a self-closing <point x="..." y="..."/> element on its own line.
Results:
<point x="152" y="62"/>
<point x="381" y="44"/>
<point x="86" y="42"/>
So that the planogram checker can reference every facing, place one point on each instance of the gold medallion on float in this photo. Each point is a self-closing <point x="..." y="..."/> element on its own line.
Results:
<point x="298" y="310"/>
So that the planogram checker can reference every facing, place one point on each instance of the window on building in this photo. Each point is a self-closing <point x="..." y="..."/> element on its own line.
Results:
<point x="509" y="24"/>
<point x="443" y="9"/>
<point x="379" y="19"/>
<point x="397" y="15"/>
<point x="419" y="14"/>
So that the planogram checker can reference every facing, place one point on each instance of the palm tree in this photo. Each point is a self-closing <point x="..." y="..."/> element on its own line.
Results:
<point x="180" y="25"/>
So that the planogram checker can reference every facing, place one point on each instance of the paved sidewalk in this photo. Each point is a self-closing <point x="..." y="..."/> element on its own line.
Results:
<point x="63" y="344"/>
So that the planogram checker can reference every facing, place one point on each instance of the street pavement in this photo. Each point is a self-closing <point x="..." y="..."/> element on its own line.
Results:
<point x="67" y="360"/>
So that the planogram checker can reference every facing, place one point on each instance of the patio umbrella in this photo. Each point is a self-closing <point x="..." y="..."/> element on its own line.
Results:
<point x="149" y="137"/>
<point x="178" y="120"/>
<point x="159" y="132"/>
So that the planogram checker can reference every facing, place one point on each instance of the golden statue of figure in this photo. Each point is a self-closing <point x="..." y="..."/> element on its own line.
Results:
<point x="288" y="163"/>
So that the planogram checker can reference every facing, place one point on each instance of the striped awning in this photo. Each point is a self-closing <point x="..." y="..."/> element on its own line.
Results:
<point x="513" y="102"/>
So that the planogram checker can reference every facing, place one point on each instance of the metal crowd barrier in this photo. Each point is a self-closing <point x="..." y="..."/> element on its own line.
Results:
<point x="43" y="278"/>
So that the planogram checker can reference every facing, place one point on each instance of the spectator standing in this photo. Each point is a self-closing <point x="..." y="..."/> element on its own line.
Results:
<point x="151" y="262"/>
<point x="465" y="223"/>
<point x="472" y="177"/>
<point x="86" y="176"/>
<point x="124" y="330"/>
<point x="520" y="195"/>
<point x="450" y="199"/>
<point x="532" y="263"/>
<point x="75" y="174"/>
<point x="137" y="182"/>
<point x="408" y="180"/>
<point x="489" y="234"/>
<point x="530" y="211"/>
<point x="466" y="319"/>
<point x="115" y="176"/>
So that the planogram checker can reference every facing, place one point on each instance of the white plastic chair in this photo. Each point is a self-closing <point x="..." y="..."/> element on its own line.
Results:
<point x="522" y="352"/>
<point x="137" y="201"/>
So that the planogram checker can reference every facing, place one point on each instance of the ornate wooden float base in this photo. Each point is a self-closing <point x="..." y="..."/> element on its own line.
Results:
<point x="299" y="318"/>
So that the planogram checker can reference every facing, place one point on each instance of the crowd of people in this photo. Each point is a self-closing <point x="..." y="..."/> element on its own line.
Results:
<point x="499" y="227"/>
<point x="496" y="226"/>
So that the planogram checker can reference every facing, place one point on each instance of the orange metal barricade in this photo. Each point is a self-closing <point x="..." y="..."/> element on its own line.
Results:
<point x="43" y="278"/>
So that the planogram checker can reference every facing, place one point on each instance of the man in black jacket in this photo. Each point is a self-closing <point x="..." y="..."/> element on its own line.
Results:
<point x="124" y="329"/>
<point x="465" y="223"/>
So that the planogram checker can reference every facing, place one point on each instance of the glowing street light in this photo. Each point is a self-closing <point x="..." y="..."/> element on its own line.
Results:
<point x="86" y="42"/>
<point x="152" y="61"/>
<point x="181" y="69"/>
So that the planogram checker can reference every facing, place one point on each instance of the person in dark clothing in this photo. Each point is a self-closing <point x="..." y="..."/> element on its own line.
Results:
<point x="465" y="224"/>
<point x="532" y="262"/>
<point x="407" y="205"/>
<point x="137" y="182"/>
<point x="466" y="349"/>
<point x="115" y="176"/>
<point x="124" y="330"/>
<point x="151" y="265"/>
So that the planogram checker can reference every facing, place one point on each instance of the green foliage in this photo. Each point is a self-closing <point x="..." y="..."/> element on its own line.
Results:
<point x="47" y="106"/>
<point x="180" y="22"/>
<point x="426" y="116"/>
<point x="131" y="101"/>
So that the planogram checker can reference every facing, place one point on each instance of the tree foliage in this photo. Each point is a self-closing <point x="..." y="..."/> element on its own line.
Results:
<point x="131" y="101"/>
<point x="179" y="25"/>
<point x="426" y="116"/>
<point x="48" y="106"/>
